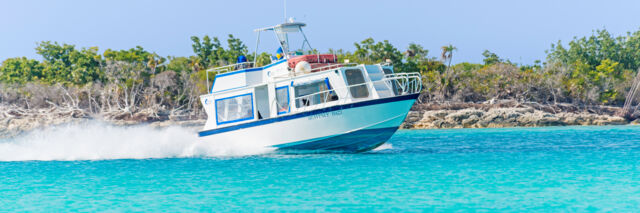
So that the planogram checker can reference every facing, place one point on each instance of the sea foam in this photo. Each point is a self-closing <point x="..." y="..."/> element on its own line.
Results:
<point x="100" y="141"/>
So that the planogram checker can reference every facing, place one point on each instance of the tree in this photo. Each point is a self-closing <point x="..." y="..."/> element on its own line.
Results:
<point x="599" y="64"/>
<point x="263" y="59"/>
<point x="490" y="58"/>
<point x="178" y="64"/>
<point x="20" y="70"/>
<point x="368" y="51"/>
<point x="363" y="50"/>
<point x="205" y="50"/>
<point x="134" y="55"/>
<point x="236" y="49"/>
<point x="447" y="55"/>
<point x="153" y="61"/>
<point x="64" y="64"/>
<point x="416" y="53"/>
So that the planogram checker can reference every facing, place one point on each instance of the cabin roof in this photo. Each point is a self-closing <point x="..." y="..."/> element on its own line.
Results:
<point x="285" y="27"/>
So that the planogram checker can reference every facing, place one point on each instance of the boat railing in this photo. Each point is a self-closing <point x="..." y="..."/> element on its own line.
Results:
<point x="333" y="66"/>
<point x="404" y="83"/>
<point x="231" y="67"/>
<point x="228" y="68"/>
<point x="317" y="69"/>
<point x="399" y="83"/>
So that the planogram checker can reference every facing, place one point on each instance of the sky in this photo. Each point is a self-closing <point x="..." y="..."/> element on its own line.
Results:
<point x="520" y="31"/>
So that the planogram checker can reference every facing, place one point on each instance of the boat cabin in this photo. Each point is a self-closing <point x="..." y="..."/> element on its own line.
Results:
<point x="296" y="83"/>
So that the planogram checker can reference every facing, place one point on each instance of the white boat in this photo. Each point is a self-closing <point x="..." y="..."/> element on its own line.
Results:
<point x="307" y="102"/>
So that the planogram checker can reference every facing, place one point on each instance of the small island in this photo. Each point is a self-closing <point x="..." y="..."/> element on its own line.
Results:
<point x="590" y="80"/>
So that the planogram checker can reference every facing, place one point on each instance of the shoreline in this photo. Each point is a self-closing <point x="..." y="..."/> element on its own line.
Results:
<point x="451" y="115"/>
<point x="509" y="113"/>
<point x="15" y="121"/>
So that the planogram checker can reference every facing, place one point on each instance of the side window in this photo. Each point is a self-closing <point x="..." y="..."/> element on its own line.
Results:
<point x="314" y="93"/>
<point x="234" y="109"/>
<point x="355" y="77"/>
<point x="387" y="71"/>
<point x="282" y="99"/>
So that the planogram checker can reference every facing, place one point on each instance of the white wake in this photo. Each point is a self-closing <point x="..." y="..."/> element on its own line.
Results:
<point x="99" y="141"/>
<point x="384" y="146"/>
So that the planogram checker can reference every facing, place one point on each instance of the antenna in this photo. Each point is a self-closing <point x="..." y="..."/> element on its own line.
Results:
<point x="285" y="10"/>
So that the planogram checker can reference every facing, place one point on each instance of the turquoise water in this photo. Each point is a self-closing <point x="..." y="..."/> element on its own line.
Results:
<point x="515" y="169"/>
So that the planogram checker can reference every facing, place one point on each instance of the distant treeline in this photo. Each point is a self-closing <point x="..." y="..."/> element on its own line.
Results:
<point x="592" y="70"/>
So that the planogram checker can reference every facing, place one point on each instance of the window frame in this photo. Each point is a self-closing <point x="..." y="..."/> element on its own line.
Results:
<point x="329" y="88"/>
<point x="288" y="100"/>
<point x="364" y="83"/>
<point x="236" y="120"/>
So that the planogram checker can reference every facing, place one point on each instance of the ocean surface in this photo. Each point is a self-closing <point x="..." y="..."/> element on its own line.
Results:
<point x="96" y="167"/>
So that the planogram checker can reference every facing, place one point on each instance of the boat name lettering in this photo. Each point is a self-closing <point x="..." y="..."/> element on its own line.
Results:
<point x="325" y="115"/>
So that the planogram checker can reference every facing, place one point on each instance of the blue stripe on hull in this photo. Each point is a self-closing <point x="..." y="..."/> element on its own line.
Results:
<point x="357" y="141"/>
<point x="308" y="113"/>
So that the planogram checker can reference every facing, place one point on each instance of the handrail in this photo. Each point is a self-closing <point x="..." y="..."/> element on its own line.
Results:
<point x="227" y="68"/>
<point x="408" y="83"/>
<point x="415" y="79"/>
<point x="231" y="67"/>
<point x="322" y="68"/>
<point x="408" y="74"/>
<point x="333" y="66"/>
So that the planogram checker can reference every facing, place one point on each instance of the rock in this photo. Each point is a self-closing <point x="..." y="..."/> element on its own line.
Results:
<point x="470" y="121"/>
<point x="571" y="119"/>
<point x="529" y="119"/>
<point x="437" y="114"/>
<point x="549" y="121"/>
<point x="615" y="120"/>
<point x="438" y="124"/>
<point x="412" y="117"/>
<point x="461" y="115"/>
<point x="508" y="117"/>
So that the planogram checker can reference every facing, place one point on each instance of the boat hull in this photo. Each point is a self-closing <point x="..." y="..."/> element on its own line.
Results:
<point x="354" y="127"/>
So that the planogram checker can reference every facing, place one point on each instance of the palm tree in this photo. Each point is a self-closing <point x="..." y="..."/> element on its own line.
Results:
<point x="447" y="54"/>
<point x="194" y="63"/>
<point x="153" y="63"/>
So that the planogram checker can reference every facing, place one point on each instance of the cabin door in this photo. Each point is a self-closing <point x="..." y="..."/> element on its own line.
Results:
<point x="262" y="102"/>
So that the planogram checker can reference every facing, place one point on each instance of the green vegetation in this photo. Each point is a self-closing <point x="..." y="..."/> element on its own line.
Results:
<point x="593" y="70"/>
<point x="599" y="67"/>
